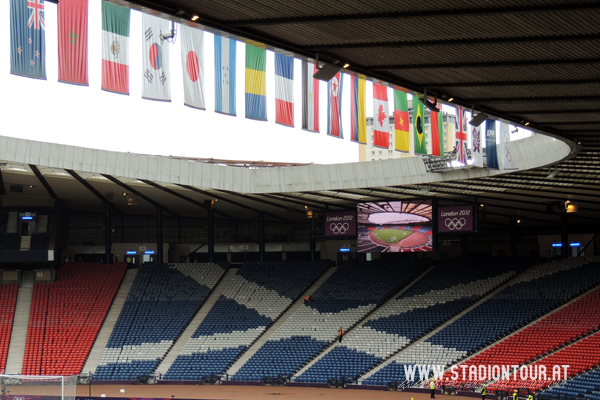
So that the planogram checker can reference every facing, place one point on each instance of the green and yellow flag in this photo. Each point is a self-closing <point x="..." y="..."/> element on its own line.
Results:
<point x="419" y="126"/>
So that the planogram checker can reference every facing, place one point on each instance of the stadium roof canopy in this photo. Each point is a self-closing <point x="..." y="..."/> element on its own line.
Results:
<point x="534" y="62"/>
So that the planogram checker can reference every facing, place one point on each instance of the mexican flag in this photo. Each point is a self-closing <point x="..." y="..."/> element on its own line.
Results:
<point x="115" y="48"/>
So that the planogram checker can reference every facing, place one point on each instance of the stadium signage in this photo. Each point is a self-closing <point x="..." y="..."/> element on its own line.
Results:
<point x="340" y="223"/>
<point x="455" y="219"/>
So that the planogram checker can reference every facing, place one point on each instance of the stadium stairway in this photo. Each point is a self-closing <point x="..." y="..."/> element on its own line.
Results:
<point x="18" y="337"/>
<point x="170" y="357"/>
<point x="268" y="333"/>
<point x="348" y="334"/>
<point x="391" y="358"/>
<point x="109" y="323"/>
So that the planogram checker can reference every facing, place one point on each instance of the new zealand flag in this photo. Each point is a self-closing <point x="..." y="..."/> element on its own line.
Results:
<point x="27" y="39"/>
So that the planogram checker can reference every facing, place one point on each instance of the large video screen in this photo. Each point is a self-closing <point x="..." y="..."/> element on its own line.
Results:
<point x="395" y="226"/>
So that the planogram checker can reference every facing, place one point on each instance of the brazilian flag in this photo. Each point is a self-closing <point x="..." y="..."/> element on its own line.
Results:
<point x="419" y="126"/>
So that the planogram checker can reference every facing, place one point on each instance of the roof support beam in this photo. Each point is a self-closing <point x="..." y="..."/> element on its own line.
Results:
<point x="235" y="203"/>
<point x="457" y="42"/>
<point x="92" y="189"/>
<point x="515" y="83"/>
<point x="488" y="64"/>
<point x="414" y="14"/>
<point x="261" y="201"/>
<point x="132" y="190"/>
<point x="43" y="181"/>
<point x="543" y="112"/>
<point x="523" y="100"/>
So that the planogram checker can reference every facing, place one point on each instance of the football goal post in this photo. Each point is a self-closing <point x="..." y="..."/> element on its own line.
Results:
<point x="28" y="387"/>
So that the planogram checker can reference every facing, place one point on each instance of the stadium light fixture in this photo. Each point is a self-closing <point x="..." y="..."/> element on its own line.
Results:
<point x="195" y="18"/>
<point x="326" y="72"/>
<point x="556" y="244"/>
<point x="131" y="252"/>
<point x="575" y="244"/>
<point x="451" y="98"/>
<point x="431" y="106"/>
<point x="478" y="119"/>
<point x="346" y="65"/>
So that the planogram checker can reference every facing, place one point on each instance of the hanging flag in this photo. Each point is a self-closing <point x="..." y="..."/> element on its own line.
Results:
<point x="491" y="147"/>
<point x="256" y="84"/>
<point x="419" y="126"/>
<point x="27" y="38"/>
<point x="508" y="160"/>
<point x="437" y="132"/>
<point x="358" y="120"/>
<point x="334" y="106"/>
<point x="192" y="61"/>
<point x="381" y="117"/>
<point x="225" y="75"/>
<point x="476" y="148"/>
<point x="284" y="90"/>
<point x="72" y="41"/>
<point x="310" y="97"/>
<point x="461" y="135"/>
<point x="401" y="122"/>
<point x="156" y="83"/>
<point x="115" y="48"/>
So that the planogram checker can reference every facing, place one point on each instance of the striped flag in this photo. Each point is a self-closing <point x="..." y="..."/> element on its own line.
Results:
<point x="73" y="41"/>
<point x="225" y="75"/>
<point x="284" y="90"/>
<point x="310" y="97"/>
<point x="437" y="132"/>
<point x="401" y="121"/>
<point x="334" y="106"/>
<point x="192" y="61"/>
<point x="256" y="85"/>
<point x="155" y="55"/>
<point x="381" y="117"/>
<point x="115" y="48"/>
<point x="419" y="126"/>
<point x="27" y="38"/>
<point x="461" y="135"/>
<point x="358" y="120"/>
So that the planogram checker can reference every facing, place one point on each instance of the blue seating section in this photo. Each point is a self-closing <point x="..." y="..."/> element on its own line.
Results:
<point x="585" y="386"/>
<point x="256" y="296"/>
<point x="446" y="290"/>
<point x="162" y="301"/>
<point x="351" y="292"/>
<point x="533" y="294"/>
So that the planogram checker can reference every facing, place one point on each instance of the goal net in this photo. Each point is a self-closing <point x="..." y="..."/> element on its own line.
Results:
<point x="29" y="387"/>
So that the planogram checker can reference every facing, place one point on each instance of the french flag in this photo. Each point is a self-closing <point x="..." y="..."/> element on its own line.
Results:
<point x="284" y="90"/>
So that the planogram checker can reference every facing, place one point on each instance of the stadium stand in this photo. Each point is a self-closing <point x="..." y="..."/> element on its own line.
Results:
<point x="354" y="290"/>
<point x="8" y="300"/>
<point x="40" y="241"/>
<point x="585" y="386"/>
<point x="10" y="242"/>
<point x="534" y="293"/>
<point x="66" y="316"/>
<point x="162" y="301"/>
<point x="257" y="295"/>
<point x="581" y="356"/>
<point x="441" y="294"/>
<point x="553" y="332"/>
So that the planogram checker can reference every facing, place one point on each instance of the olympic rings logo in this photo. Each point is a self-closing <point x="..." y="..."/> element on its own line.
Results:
<point x="19" y="398"/>
<point x="339" y="228"/>
<point x="455" y="224"/>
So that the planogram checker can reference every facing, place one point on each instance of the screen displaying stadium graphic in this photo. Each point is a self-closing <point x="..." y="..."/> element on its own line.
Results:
<point x="395" y="226"/>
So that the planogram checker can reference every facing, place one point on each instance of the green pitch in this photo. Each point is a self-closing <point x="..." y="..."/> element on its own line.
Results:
<point x="391" y="236"/>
